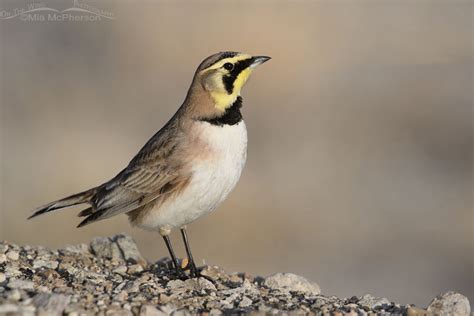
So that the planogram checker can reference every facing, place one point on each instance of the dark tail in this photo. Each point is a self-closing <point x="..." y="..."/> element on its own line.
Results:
<point x="79" y="198"/>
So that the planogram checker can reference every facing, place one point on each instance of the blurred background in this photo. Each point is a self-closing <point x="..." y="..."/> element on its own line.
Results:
<point x="359" y="172"/>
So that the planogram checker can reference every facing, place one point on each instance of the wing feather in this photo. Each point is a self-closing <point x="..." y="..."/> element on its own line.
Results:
<point x="154" y="171"/>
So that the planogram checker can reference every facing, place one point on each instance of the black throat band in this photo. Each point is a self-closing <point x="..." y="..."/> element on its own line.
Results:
<point x="231" y="116"/>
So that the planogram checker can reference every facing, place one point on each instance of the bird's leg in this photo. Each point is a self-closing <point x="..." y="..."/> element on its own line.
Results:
<point x="177" y="268"/>
<point x="192" y="265"/>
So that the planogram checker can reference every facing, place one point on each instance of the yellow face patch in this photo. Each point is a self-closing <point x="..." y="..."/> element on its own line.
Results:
<point x="215" y="83"/>
<point x="221" y="96"/>
<point x="242" y="78"/>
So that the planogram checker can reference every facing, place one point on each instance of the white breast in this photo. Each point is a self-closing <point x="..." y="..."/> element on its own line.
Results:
<point x="220" y="173"/>
<point x="212" y="180"/>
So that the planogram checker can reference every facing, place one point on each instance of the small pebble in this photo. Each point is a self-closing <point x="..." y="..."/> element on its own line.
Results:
<point x="6" y="309"/>
<point x="136" y="268"/>
<point x="120" y="270"/>
<point x="291" y="282"/>
<point x="20" y="284"/>
<point x="414" y="311"/>
<point x="245" y="302"/>
<point x="14" y="295"/>
<point x="3" y="248"/>
<point x="122" y="296"/>
<point x="45" y="264"/>
<point x="13" y="255"/>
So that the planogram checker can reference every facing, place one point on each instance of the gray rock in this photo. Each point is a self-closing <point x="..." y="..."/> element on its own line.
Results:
<point x="28" y="311"/>
<point x="121" y="296"/>
<point x="120" y="247"/>
<point x="20" y="284"/>
<point x="14" y="295"/>
<point x="132" y="287"/>
<point x="416" y="311"/>
<point x="200" y="285"/>
<point x="12" y="271"/>
<point x="6" y="309"/>
<point x="129" y="249"/>
<point x="291" y="282"/>
<point x="450" y="303"/>
<point x="45" y="263"/>
<point x="249" y="288"/>
<point x="3" y="248"/>
<point x="371" y="302"/>
<point x="120" y="270"/>
<point x="12" y="255"/>
<point x="135" y="268"/>
<point x="246" y="288"/>
<point x="214" y="273"/>
<point x="245" y="302"/>
<point x="150" y="310"/>
<point x="95" y="281"/>
<point x="104" y="247"/>
<point x="119" y="287"/>
<point x="168" y="309"/>
<point x="175" y="284"/>
<point x="76" y="249"/>
<point x="117" y="311"/>
<point x="51" y="304"/>
<point x="228" y="302"/>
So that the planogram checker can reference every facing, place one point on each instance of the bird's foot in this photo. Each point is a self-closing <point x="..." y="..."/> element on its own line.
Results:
<point x="181" y="275"/>
<point x="194" y="272"/>
<point x="167" y="267"/>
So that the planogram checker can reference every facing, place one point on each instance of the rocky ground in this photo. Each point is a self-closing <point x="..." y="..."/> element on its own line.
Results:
<point x="110" y="277"/>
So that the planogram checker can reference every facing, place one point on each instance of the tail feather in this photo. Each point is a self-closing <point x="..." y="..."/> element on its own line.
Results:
<point x="91" y="217"/>
<point x="86" y="212"/>
<point x="75" y="199"/>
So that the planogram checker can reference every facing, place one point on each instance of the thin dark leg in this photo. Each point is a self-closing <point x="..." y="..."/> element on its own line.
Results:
<point x="173" y="256"/>
<point x="192" y="265"/>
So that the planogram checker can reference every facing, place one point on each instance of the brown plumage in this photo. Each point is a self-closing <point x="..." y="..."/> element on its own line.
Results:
<point x="157" y="171"/>
<point x="189" y="166"/>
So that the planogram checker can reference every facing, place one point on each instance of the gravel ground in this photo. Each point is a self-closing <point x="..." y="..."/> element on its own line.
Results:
<point x="110" y="277"/>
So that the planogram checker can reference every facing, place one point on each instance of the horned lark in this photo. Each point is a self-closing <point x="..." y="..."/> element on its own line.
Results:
<point x="189" y="166"/>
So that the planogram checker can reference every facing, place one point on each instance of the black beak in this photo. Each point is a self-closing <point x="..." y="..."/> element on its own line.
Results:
<point x="257" y="60"/>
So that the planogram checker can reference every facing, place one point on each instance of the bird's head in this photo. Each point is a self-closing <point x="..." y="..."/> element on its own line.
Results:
<point x="224" y="74"/>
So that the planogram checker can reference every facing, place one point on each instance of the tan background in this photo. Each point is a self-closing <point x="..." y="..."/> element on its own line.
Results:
<point x="359" y="171"/>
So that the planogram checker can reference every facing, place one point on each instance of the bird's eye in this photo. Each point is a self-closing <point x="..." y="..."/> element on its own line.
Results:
<point x="228" y="66"/>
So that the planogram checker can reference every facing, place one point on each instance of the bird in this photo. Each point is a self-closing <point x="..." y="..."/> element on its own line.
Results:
<point x="188" y="167"/>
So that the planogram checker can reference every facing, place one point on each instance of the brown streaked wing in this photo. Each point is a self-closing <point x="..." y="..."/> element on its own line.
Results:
<point x="137" y="188"/>
<point x="154" y="170"/>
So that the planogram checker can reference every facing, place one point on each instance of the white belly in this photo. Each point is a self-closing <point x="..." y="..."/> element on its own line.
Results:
<point x="212" y="179"/>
